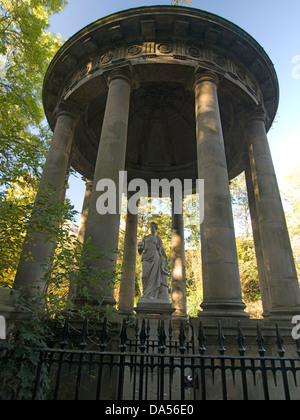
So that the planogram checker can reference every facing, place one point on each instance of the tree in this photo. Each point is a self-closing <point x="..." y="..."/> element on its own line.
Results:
<point x="194" y="286"/>
<point x="240" y="206"/>
<point x="26" y="49"/>
<point x="178" y="2"/>
<point x="245" y="247"/>
<point x="291" y="198"/>
<point x="15" y="210"/>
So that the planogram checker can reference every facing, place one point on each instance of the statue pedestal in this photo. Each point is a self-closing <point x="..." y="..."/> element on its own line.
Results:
<point x="154" y="310"/>
<point x="8" y="311"/>
<point x="154" y="307"/>
<point x="8" y="304"/>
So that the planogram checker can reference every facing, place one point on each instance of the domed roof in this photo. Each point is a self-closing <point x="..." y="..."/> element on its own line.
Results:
<point x="163" y="46"/>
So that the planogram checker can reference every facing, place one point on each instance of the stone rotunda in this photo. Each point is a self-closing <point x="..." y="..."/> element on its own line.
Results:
<point x="170" y="93"/>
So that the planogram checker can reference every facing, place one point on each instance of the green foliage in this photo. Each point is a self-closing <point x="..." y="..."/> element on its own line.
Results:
<point x="245" y="244"/>
<point x="30" y="333"/>
<point x="241" y="212"/>
<point x="191" y="214"/>
<point x="15" y="210"/>
<point x="248" y="270"/>
<point x="291" y="197"/>
<point x="181" y="2"/>
<point x="194" y="287"/>
<point x="26" y="49"/>
<point x="68" y="280"/>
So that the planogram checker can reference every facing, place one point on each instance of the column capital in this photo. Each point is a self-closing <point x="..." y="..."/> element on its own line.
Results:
<point x="257" y="113"/>
<point x="67" y="108"/>
<point x="202" y="75"/>
<point x="123" y="72"/>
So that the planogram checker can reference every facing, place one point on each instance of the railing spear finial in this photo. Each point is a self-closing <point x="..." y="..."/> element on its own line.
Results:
<point x="221" y="339"/>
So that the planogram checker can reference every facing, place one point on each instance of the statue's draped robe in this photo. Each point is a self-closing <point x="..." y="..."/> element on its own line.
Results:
<point x="152" y="277"/>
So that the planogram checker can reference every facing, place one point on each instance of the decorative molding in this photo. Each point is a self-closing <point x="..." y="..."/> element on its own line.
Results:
<point x="189" y="54"/>
<point x="194" y="52"/>
<point x="165" y="48"/>
<point x="220" y="60"/>
<point x="257" y="113"/>
<point x="67" y="108"/>
<point x="106" y="58"/>
<point x="158" y="97"/>
<point x="123" y="73"/>
<point x="206" y="76"/>
<point x="134" y="50"/>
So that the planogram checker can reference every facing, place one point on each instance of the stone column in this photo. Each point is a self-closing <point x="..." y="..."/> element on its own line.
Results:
<point x="103" y="229"/>
<point x="73" y="288"/>
<point x="85" y="210"/>
<point x="263" y="280"/>
<point x="127" y="283"/>
<point x="178" y="280"/>
<point x="278" y="257"/>
<point x="221" y="282"/>
<point x="35" y="250"/>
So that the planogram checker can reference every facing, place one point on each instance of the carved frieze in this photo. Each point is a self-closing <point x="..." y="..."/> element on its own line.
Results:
<point x="194" y="52"/>
<point x="106" y="58"/>
<point x="164" y="48"/>
<point x="170" y="52"/>
<point x="134" y="50"/>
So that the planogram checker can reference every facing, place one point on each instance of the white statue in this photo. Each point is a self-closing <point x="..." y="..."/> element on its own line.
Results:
<point x="155" y="273"/>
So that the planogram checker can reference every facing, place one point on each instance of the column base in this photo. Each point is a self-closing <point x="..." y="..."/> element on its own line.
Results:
<point x="154" y="307"/>
<point x="101" y="305"/>
<point x="125" y="313"/>
<point x="223" y="309"/>
<point x="282" y="314"/>
<point x="183" y="317"/>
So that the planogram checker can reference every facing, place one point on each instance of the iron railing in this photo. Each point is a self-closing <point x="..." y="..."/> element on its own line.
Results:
<point x="141" y="368"/>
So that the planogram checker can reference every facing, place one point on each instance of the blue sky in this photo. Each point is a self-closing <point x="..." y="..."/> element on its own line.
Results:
<point x="273" y="23"/>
